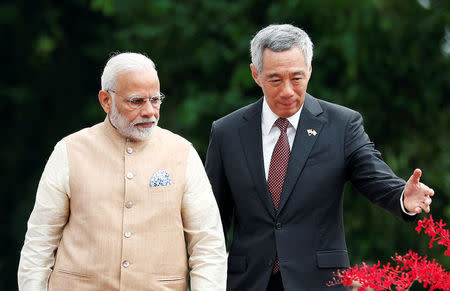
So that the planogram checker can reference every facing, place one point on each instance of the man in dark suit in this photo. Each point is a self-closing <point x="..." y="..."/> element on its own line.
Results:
<point x="278" y="169"/>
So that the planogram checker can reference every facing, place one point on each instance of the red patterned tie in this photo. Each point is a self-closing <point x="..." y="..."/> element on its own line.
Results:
<point x="277" y="170"/>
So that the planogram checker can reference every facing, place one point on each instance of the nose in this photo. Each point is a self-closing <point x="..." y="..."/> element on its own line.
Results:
<point x="287" y="89"/>
<point x="147" y="110"/>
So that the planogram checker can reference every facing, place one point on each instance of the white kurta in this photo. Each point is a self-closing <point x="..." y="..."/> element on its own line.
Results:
<point x="202" y="225"/>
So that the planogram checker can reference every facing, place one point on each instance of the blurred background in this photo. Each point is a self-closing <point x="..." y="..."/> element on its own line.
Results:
<point x="388" y="59"/>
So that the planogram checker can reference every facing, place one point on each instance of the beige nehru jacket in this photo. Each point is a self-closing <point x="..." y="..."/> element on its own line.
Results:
<point x="118" y="213"/>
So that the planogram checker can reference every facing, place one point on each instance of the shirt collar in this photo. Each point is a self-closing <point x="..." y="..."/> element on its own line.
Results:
<point x="268" y="118"/>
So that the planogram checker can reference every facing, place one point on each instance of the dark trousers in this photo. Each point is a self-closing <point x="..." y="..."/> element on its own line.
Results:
<point x="275" y="283"/>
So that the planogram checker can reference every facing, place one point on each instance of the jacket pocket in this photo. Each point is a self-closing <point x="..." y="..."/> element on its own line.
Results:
<point x="237" y="264"/>
<point x="65" y="280"/>
<point x="162" y="189"/>
<point x="72" y="274"/>
<point x="332" y="259"/>
<point x="171" y="280"/>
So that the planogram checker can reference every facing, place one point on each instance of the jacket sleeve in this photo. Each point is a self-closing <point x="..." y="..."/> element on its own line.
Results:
<point x="368" y="172"/>
<point x="217" y="176"/>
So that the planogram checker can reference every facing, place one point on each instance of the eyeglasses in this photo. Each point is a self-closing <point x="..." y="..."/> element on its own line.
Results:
<point x="136" y="101"/>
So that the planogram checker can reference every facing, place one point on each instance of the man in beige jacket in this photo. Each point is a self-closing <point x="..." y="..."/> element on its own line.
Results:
<point x="118" y="201"/>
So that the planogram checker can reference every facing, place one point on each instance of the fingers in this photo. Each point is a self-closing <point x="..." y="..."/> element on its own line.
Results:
<point x="427" y="204"/>
<point x="423" y="204"/>
<point x="417" y="195"/>
<point x="429" y="191"/>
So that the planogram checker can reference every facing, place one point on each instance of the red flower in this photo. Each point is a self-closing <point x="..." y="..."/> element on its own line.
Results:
<point x="409" y="268"/>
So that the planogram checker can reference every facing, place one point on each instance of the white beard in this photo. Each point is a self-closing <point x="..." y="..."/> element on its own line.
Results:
<point x="128" y="129"/>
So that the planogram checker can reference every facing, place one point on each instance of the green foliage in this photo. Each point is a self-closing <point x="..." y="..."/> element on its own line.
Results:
<point x="387" y="59"/>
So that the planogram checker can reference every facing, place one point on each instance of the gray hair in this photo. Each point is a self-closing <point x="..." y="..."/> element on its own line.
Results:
<point x="278" y="38"/>
<point x="121" y="63"/>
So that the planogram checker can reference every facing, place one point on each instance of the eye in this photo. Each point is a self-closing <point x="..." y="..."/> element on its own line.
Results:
<point x="136" y="101"/>
<point x="155" y="99"/>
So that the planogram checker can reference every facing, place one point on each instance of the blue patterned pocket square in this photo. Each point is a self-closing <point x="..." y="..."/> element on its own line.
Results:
<point x="160" y="178"/>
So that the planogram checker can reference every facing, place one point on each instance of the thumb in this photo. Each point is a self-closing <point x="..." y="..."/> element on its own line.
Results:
<point x="416" y="175"/>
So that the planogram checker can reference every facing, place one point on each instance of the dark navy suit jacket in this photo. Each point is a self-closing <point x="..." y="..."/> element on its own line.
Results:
<point x="307" y="232"/>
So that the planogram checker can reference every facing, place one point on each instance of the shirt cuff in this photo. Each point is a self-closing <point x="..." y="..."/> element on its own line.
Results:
<point x="403" y="207"/>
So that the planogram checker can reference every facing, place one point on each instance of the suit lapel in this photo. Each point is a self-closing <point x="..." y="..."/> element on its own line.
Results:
<point x="251" y="140"/>
<point x="303" y="144"/>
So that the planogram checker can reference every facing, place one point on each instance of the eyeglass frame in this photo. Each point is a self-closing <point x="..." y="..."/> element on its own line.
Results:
<point x="158" y="97"/>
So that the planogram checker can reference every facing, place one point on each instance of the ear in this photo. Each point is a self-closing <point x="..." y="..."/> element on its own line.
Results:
<point x="309" y="72"/>
<point x="255" y="74"/>
<point x="105" y="100"/>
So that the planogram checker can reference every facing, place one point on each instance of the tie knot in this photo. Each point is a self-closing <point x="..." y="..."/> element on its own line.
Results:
<point x="282" y="124"/>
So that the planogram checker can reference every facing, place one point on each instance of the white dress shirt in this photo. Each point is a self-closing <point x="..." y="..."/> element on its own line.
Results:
<point x="209" y="269"/>
<point x="271" y="133"/>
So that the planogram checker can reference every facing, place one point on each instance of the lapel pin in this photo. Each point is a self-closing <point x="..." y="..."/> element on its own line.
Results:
<point x="311" y="132"/>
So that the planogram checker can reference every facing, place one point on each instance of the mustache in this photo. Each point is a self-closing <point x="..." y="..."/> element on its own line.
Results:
<point x="146" y="120"/>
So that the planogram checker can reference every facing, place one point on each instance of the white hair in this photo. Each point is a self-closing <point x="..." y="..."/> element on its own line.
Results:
<point x="122" y="63"/>
<point x="278" y="38"/>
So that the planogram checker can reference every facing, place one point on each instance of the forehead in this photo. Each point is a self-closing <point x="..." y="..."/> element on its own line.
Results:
<point x="138" y="80"/>
<point x="288" y="60"/>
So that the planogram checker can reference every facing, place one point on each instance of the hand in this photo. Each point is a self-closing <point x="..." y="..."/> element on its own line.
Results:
<point x="417" y="195"/>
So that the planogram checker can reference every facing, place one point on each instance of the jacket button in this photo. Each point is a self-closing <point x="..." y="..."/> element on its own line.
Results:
<point x="278" y="225"/>
<point x="269" y="263"/>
